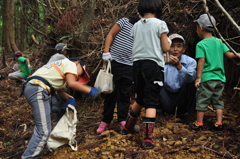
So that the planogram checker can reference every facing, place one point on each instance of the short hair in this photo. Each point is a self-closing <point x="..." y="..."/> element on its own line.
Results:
<point x="150" y="6"/>
<point x="133" y="18"/>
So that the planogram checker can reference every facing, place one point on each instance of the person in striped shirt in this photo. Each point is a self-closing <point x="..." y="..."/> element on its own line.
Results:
<point x="118" y="49"/>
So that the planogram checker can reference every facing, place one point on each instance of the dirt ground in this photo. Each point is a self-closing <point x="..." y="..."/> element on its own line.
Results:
<point x="172" y="137"/>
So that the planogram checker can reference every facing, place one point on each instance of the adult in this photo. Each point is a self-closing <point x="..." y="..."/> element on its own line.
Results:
<point x="62" y="52"/>
<point x="178" y="93"/>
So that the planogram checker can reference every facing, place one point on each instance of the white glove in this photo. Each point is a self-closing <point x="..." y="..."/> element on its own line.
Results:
<point x="106" y="56"/>
<point x="30" y="67"/>
<point x="169" y="41"/>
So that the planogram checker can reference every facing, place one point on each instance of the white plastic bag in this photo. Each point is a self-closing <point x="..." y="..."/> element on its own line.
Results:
<point x="104" y="80"/>
<point x="65" y="131"/>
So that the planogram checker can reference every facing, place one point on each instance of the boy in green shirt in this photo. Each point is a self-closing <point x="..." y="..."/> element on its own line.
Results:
<point x="210" y="78"/>
<point x="24" y="68"/>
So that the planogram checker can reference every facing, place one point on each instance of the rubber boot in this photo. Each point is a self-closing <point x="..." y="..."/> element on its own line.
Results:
<point x="148" y="126"/>
<point x="130" y="126"/>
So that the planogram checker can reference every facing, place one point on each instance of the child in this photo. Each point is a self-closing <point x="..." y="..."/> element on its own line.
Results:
<point x="121" y="55"/>
<point x="62" y="52"/>
<point x="150" y="41"/>
<point x="210" y="76"/>
<point x="23" y="68"/>
<point x="40" y="94"/>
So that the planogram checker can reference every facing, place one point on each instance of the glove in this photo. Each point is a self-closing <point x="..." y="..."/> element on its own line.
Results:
<point x="106" y="56"/>
<point x="94" y="92"/>
<point x="71" y="101"/>
<point x="30" y="67"/>
<point x="169" y="41"/>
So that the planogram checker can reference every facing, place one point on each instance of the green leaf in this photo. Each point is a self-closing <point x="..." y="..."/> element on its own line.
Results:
<point x="216" y="146"/>
<point x="64" y="37"/>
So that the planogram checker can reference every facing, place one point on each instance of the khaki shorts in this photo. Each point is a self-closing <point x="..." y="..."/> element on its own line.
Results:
<point x="210" y="92"/>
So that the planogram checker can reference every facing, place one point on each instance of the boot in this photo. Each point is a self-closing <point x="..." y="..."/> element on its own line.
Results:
<point x="148" y="124"/>
<point x="130" y="126"/>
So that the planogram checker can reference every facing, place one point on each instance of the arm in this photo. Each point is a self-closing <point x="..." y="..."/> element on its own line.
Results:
<point x="63" y="94"/>
<point x="73" y="84"/>
<point x="110" y="37"/>
<point x="187" y="71"/>
<point x="164" y="42"/>
<point x="231" y="55"/>
<point x="199" y="71"/>
<point x="28" y="61"/>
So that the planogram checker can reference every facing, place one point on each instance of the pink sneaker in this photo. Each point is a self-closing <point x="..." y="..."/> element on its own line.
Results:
<point x="102" y="127"/>
<point x="122" y="123"/>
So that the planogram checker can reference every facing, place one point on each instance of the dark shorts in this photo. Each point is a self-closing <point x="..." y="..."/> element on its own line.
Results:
<point x="210" y="92"/>
<point x="148" y="81"/>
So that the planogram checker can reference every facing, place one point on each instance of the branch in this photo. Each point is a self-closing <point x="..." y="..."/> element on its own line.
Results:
<point x="219" y="34"/>
<point x="228" y="16"/>
<point x="56" y="6"/>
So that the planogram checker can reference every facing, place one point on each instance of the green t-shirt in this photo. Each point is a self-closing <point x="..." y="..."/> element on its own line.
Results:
<point x="212" y="49"/>
<point x="25" y="71"/>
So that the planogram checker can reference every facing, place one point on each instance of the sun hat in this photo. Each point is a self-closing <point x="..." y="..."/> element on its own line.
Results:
<point x="176" y="36"/>
<point x="61" y="47"/>
<point x="205" y="22"/>
<point x="17" y="54"/>
<point x="84" y="79"/>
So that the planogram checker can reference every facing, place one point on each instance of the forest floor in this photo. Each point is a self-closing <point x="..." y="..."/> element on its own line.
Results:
<point x="172" y="137"/>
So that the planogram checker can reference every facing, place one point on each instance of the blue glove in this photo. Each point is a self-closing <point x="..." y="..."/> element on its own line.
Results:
<point x="94" y="92"/>
<point x="71" y="101"/>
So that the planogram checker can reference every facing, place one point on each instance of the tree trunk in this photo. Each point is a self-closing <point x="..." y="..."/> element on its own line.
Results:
<point x="9" y="38"/>
<point x="86" y="24"/>
<point x="22" y="28"/>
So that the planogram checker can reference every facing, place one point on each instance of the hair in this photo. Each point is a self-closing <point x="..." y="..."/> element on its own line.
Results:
<point x="133" y="18"/>
<point x="150" y="6"/>
<point x="205" y="29"/>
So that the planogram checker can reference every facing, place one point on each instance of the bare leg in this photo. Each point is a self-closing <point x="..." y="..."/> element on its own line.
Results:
<point x="219" y="114"/>
<point x="200" y="115"/>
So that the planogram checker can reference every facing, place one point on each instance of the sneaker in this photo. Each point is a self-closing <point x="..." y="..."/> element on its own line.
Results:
<point x="194" y="126"/>
<point x="148" y="144"/>
<point x="122" y="123"/>
<point x="102" y="127"/>
<point x="125" y="131"/>
<point x="218" y="127"/>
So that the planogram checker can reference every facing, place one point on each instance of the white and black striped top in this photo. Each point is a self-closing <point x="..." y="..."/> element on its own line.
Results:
<point x="121" y="49"/>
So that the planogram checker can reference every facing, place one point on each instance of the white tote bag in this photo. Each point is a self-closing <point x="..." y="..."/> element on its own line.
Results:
<point x="104" y="80"/>
<point x="65" y="131"/>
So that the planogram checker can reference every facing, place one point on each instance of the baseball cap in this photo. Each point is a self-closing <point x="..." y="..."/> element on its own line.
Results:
<point x="205" y="22"/>
<point x="84" y="79"/>
<point x="176" y="36"/>
<point x="17" y="53"/>
<point x="61" y="47"/>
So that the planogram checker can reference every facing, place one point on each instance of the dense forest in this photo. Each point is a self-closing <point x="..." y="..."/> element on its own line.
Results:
<point x="35" y="27"/>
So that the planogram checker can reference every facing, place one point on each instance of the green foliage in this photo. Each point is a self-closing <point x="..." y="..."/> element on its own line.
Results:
<point x="7" y="144"/>
<point x="64" y="37"/>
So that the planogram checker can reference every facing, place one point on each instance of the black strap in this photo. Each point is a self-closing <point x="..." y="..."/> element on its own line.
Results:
<point x="52" y="91"/>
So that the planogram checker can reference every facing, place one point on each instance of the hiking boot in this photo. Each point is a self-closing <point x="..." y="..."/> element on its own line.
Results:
<point x="195" y="126"/>
<point x="102" y="127"/>
<point x="218" y="127"/>
<point x="148" y="144"/>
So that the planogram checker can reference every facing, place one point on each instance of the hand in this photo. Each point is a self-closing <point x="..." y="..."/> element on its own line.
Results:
<point x="197" y="82"/>
<point x="30" y="67"/>
<point x="71" y="101"/>
<point x="106" y="56"/>
<point x="169" y="41"/>
<point x="94" y="92"/>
